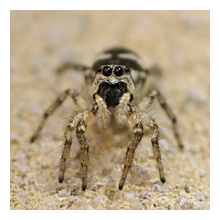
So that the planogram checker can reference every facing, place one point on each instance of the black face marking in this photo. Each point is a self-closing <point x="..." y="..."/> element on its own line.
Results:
<point x="107" y="71"/>
<point x="112" y="94"/>
<point x="118" y="71"/>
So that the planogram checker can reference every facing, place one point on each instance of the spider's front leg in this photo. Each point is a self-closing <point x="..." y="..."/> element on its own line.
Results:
<point x="132" y="145"/>
<point x="78" y="124"/>
<point x="84" y="154"/>
<point x="137" y="120"/>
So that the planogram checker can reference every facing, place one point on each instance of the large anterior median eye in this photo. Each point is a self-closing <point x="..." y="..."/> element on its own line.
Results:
<point x="107" y="71"/>
<point x="118" y="71"/>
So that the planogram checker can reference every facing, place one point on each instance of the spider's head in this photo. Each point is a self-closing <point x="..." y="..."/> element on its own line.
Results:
<point x="111" y="82"/>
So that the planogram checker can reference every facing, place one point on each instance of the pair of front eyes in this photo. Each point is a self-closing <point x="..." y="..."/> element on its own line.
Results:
<point x="118" y="70"/>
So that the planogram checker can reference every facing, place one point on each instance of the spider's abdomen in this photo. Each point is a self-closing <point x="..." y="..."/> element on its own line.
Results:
<point x="118" y="56"/>
<point x="112" y="94"/>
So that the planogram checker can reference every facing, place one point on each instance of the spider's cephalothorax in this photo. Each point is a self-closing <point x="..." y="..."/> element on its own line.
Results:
<point x="112" y="82"/>
<point x="115" y="76"/>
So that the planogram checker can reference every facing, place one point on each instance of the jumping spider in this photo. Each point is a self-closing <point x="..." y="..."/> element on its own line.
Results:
<point x="114" y="77"/>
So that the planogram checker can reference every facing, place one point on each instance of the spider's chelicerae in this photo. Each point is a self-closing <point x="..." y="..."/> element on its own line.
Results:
<point x="117" y="79"/>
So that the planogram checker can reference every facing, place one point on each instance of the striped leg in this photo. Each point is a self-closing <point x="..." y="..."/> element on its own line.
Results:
<point x="155" y="93"/>
<point x="138" y="120"/>
<point x="78" y="124"/>
<point x="79" y="67"/>
<point x="71" y="65"/>
<point x="84" y="154"/>
<point x="147" y="120"/>
<point x="132" y="145"/>
<point x="66" y="149"/>
<point x="59" y="100"/>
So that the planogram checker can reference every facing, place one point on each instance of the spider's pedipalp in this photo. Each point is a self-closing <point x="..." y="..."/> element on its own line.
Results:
<point x="103" y="114"/>
<point x="122" y="108"/>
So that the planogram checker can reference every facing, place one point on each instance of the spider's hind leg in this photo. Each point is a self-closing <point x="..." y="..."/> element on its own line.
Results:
<point x="71" y="65"/>
<point x="156" y="94"/>
<point x="87" y="71"/>
<point x="59" y="101"/>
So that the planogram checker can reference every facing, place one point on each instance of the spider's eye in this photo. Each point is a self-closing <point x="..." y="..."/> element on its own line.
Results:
<point x="127" y="69"/>
<point x="118" y="71"/>
<point x="99" y="69"/>
<point x="107" y="71"/>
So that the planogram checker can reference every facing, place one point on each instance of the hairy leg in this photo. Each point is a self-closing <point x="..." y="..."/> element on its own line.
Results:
<point x="59" y="100"/>
<point x="71" y="65"/>
<point x="66" y="150"/>
<point x="138" y="120"/>
<point x="156" y="94"/>
<point x="77" y="124"/>
<point x="147" y="120"/>
<point x="84" y="154"/>
<point x="132" y="145"/>
<point x="87" y="71"/>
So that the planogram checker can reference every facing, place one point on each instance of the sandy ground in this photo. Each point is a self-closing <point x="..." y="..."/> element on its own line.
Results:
<point x="178" y="41"/>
